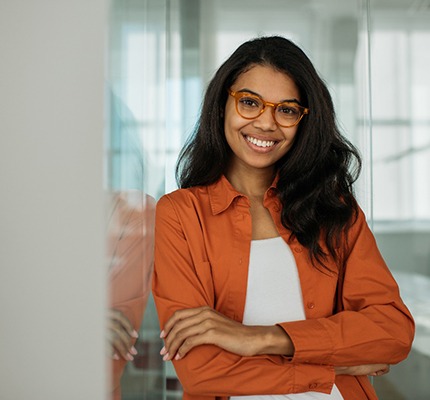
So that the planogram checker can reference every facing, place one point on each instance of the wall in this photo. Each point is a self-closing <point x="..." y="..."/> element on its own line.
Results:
<point x="52" y="289"/>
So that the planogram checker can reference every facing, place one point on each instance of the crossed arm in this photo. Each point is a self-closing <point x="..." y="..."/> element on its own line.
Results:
<point x="190" y="328"/>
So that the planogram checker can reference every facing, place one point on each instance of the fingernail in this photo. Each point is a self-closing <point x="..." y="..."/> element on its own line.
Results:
<point x="177" y="357"/>
<point x="129" y="357"/>
<point x="162" y="334"/>
<point x="115" y="356"/>
<point x="133" y="350"/>
<point x="134" y="334"/>
<point x="163" y="351"/>
<point x="166" y="357"/>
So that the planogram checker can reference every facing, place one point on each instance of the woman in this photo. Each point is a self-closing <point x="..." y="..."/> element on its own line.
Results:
<point x="267" y="278"/>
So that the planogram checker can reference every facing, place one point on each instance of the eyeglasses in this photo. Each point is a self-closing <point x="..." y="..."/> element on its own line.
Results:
<point x="250" y="106"/>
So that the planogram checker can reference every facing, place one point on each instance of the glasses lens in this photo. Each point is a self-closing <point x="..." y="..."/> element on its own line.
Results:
<point x="287" y="113"/>
<point x="249" y="106"/>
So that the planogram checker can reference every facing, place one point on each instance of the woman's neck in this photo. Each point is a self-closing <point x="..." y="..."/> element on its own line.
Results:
<point x="252" y="183"/>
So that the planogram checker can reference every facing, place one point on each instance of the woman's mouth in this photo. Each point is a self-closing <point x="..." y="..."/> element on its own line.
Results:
<point x="260" y="143"/>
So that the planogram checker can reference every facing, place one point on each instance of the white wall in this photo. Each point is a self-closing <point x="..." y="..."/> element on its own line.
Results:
<point x="52" y="288"/>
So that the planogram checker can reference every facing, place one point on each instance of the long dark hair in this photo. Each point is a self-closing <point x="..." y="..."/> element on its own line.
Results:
<point x="315" y="176"/>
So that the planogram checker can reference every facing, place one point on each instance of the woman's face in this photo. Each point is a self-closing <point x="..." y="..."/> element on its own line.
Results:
<point x="259" y="143"/>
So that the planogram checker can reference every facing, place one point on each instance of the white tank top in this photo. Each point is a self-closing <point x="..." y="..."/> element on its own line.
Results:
<point x="274" y="295"/>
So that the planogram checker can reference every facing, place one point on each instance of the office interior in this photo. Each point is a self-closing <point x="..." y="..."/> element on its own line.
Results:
<point x="107" y="107"/>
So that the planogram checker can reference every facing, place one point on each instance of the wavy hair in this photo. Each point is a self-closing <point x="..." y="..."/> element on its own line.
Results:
<point x="317" y="173"/>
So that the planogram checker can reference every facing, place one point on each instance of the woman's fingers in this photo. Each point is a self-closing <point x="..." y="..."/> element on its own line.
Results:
<point x="368" y="369"/>
<point x="382" y="371"/>
<point x="123" y="321"/>
<point x="182" y="330"/>
<point x="194" y="340"/>
<point x="121" y="334"/>
<point x="180" y="315"/>
<point x="194" y="327"/>
<point x="121" y="343"/>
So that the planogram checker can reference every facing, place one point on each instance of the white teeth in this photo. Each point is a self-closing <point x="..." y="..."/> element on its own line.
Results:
<point x="260" y="143"/>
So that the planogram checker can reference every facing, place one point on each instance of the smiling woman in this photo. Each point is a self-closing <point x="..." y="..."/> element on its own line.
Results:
<point x="251" y="128"/>
<point x="267" y="279"/>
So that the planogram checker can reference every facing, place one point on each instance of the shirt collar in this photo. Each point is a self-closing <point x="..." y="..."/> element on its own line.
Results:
<point x="222" y="194"/>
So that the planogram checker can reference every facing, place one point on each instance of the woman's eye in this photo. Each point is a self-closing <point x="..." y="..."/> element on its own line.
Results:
<point x="249" y="102"/>
<point x="288" y="109"/>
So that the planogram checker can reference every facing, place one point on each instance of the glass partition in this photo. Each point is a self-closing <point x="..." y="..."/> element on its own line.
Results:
<point x="135" y="168"/>
<point x="401" y="173"/>
<point x="163" y="54"/>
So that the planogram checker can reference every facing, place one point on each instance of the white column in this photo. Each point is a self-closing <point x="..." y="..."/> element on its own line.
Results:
<point x="52" y="288"/>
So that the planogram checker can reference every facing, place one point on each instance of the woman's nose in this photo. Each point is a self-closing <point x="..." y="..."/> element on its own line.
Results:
<point x="266" y="120"/>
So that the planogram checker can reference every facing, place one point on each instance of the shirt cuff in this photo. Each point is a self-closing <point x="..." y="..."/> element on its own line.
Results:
<point x="313" y="378"/>
<point x="312" y="342"/>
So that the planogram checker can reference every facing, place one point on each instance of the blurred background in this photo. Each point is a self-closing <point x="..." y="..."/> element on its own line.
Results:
<point x="98" y="97"/>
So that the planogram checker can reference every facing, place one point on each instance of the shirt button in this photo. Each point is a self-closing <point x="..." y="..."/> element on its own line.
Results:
<point x="311" y="305"/>
<point x="313" y="386"/>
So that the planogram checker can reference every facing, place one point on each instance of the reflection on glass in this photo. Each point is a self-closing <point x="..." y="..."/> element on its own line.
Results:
<point x="130" y="255"/>
<point x="135" y="164"/>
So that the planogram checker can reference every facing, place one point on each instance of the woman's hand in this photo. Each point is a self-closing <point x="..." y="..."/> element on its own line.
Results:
<point x="193" y="327"/>
<point x="369" y="369"/>
<point x="120" y="335"/>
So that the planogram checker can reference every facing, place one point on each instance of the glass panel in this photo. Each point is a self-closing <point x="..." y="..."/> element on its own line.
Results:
<point x="136" y="160"/>
<point x="401" y="173"/>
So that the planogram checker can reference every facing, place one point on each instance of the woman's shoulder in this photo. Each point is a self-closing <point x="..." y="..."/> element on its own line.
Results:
<point x="199" y="200"/>
<point x="185" y="194"/>
<point x="184" y="199"/>
<point x="359" y="225"/>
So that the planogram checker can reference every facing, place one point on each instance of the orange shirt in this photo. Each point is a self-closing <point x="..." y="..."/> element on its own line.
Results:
<point x="202" y="248"/>
<point x="130" y="255"/>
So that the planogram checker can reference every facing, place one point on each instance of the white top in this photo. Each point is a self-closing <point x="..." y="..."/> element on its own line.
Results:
<point x="274" y="295"/>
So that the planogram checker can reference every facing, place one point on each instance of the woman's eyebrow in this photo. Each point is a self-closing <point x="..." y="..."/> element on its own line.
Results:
<point x="246" y="90"/>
